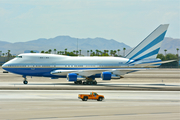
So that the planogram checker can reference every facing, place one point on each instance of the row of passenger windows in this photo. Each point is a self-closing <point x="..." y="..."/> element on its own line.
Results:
<point x="44" y="57"/>
<point x="60" y="65"/>
<point x="40" y="57"/>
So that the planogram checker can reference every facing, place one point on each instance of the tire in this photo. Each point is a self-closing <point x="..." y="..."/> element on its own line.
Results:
<point x="75" y="82"/>
<point x="100" y="99"/>
<point x="91" y="83"/>
<point x="95" y="83"/>
<point x="25" y="82"/>
<point x="85" y="99"/>
<point x="80" y="82"/>
<point x="88" y="83"/>
<point x="84" y="83"/>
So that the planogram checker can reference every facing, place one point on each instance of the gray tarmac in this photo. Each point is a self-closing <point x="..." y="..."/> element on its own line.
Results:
<point x="149" y="80"/>
<point x="152" y="94"/>
<point x="64" y="104"/>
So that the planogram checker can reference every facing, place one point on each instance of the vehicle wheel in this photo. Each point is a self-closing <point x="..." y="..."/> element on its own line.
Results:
<point x="75" y="82"/>
<point x="85" y="99"/>
<point x="100" y="99"/>
<point x="84" y="83"/>
<point x="25" y="82"/>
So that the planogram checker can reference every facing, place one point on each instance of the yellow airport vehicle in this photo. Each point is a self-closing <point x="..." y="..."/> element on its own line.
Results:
<point x="92" y="96"/>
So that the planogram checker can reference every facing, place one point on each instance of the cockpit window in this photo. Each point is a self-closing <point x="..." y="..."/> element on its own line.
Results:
<point x="18" y="56"/>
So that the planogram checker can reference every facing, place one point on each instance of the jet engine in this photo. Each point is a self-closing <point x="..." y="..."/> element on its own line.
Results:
<point x="72" y="77"/>
<point x="106" y="75"/>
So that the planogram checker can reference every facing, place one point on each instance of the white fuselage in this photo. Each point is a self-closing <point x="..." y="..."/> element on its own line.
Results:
<point x="61" y="61"/>
<point x="37" y="64"/>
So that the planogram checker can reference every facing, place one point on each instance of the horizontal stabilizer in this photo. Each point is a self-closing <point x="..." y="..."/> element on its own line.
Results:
<point x="148" y="64"/>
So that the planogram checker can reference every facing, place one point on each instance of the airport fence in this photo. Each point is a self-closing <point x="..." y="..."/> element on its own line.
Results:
<point x="5" y="59"/>
<point x="169" y="67"/>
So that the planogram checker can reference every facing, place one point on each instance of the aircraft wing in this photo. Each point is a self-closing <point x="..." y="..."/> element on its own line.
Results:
<point x="87" y="73"/>
<point x="90" y="72"/>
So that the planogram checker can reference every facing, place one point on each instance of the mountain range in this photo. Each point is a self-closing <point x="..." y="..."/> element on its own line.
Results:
<point x="170" y="45"/>
<point x="62" y="42"/>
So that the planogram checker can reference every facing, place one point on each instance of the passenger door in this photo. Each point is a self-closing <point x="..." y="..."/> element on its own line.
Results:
<point x="95" y="96"/>
<point x="90" y="96"/>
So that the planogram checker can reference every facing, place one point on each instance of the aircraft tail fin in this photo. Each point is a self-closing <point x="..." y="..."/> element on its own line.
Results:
<point x="149" y="47"/>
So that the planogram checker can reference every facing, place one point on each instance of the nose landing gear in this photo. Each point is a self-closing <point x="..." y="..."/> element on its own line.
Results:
<point x="25" y="80"/>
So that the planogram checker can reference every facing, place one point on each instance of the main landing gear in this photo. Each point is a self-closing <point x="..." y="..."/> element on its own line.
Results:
<point x="86" y="82"/>
<point x="25" y="80"/>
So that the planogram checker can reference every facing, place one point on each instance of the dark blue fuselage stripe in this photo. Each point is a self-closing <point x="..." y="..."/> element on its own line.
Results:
<point x="154" y="42"/>
<point x="46" y="72"/>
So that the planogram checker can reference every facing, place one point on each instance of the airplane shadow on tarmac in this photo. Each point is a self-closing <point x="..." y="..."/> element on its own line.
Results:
<point x="99" y="84"/>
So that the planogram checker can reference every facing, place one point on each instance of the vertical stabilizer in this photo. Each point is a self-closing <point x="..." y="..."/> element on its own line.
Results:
<point x="149" y="47"/>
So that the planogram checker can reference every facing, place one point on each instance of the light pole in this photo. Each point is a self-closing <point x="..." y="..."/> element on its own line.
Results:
<point x="77" y="44"/>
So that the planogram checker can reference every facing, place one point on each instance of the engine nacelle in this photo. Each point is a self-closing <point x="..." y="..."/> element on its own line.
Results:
<point x="72" y="77"/>
<point x="106" y="76"/>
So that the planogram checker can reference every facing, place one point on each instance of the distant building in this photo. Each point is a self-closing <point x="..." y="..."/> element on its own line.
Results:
<point x="5" y="59"/>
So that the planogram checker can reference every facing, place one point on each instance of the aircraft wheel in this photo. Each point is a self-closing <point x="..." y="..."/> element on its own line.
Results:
<point x="80" y="82"/>
<point x="25" y="82"/>
<point x="88" y="82"/>
<point x="95" y="83"/>
<point x="91" y="83"/>
<point x="84" y="83"/>
<point x="75" y="82"/>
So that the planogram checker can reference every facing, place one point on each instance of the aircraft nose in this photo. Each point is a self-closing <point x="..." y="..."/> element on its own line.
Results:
<point x="4" y="65"/>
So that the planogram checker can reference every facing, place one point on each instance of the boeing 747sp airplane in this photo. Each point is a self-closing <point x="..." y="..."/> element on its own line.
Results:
<point x="89" y="68"/>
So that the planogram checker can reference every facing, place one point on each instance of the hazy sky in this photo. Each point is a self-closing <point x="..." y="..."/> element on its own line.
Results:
<point x="128" y="21"/>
